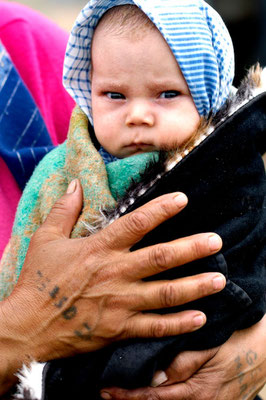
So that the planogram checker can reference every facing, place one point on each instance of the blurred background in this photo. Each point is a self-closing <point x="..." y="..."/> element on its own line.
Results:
<point x="246" y="21"/>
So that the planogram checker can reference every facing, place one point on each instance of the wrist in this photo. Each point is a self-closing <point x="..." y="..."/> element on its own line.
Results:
<point x="11" y="358"/>
<point x="16" y="348"/>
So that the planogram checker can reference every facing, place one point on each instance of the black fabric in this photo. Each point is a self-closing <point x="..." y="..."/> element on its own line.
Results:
<point x="224" y="179"/>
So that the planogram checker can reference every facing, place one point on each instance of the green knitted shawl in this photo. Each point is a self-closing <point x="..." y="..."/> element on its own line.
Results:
<point x="75" y="158"/>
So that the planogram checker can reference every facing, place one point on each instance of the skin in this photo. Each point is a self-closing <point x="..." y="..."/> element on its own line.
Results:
<point x="138" y="106"/>
<point x="236" y="371"/>
<point x="46" y="316"/>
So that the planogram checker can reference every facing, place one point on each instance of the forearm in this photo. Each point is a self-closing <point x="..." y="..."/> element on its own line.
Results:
<point x="18" y="341"/>
<point x="250" y="362"/>
<point x="11" y="353"/>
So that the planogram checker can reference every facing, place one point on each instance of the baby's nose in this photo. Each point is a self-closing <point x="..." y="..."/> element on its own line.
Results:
<point x="140" y="113"/>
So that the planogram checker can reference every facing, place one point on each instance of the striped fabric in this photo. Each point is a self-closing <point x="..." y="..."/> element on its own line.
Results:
<point x="195" y="33"/>
<point x="24" y="138"/>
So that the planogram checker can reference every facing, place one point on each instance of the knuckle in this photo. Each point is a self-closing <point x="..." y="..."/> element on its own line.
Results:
<point x="166" y="208"/>
<point x="197" y="248"/>
<point x="183" y="326"/>
<point x="59" y="206"/>
<point x="203" y="286"/>
<point x="101" y="242"/>
<point x="160" y="329"/>
<point x="168" y="295"/>
<point x="137" y="222"/>
<point x="112" y="332"/>
<point x="162" y="256"/>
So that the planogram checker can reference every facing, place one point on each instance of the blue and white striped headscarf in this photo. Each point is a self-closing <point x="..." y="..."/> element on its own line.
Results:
<point x="194" y="32"/>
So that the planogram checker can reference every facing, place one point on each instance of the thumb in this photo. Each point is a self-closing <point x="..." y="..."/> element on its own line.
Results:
<point x="184" y="365"/>
<point x="65" y="211"/>
<point x="187" y="364"/>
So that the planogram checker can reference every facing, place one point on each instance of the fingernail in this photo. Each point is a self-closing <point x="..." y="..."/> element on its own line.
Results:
<point x="106" y="396"/>
<point x="218" y="282"/>
<point x="199" y="320"/>
<point x="181" y="199"/>
<point x="72" y="187"/>
<point x="159" y="378"/>
<point x="215" y="242"/>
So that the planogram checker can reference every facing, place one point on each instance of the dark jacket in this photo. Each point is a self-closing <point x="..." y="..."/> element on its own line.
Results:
<point x="224" y="179"/>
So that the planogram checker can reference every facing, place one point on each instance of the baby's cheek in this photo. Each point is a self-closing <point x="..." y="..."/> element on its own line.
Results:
<point x="194" y="121"/>
<point x="179" y="127"/>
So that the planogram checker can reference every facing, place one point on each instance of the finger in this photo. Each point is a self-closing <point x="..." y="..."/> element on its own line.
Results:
<point x="157" y="326"/>
<point x="158" y="258"/>
<point x="129" y="229"/>
<point x="187" y="364"/>
<point x="164" y="294"/>
<point x="173" y="392"/>
<point x="65" y="211"/>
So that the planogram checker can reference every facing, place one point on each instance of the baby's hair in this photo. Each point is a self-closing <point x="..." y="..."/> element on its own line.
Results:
<point x="126" y="19"/>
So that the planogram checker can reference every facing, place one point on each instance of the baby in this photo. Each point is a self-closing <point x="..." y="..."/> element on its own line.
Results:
<point x="155" y="76"/>
<point x="139" y="104"/>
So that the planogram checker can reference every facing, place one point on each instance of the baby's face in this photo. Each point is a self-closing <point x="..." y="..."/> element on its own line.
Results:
<point x="140" y="99"/>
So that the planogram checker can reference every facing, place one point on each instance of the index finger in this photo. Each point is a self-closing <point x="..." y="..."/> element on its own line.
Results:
<point x="131" y="228"/>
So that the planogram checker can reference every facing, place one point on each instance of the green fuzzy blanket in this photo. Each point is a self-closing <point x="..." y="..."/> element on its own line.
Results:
<point x="75" y="158"/>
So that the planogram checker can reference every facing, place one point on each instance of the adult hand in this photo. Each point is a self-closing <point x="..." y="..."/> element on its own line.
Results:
<point x="78" y="295"/>
<point x="236" y="371"/>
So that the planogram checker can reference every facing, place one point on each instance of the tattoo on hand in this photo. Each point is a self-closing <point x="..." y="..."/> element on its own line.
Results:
<point x="82" y="335"/>
<point x="45" y="284"/>
<point x="246" y="379"/>
<point x="61" y="302"/>
<point x="251" y="356"/>
<point x="54" y="292"/>
<point x="70" y="313"/>
<point x="238" y="363"/>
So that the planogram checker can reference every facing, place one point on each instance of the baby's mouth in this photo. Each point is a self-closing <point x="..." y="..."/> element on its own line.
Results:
<point x="137" y="148"/>
<point x="139" y="145"/>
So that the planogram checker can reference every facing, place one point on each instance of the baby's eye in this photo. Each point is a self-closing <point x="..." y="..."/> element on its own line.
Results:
<point x="115" y="95"/>
<point x="169" y="94"/>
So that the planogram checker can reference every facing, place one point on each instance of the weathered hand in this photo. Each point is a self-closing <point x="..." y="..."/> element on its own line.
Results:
<point x="78" y="295"/>
<point x="235" y="371"/>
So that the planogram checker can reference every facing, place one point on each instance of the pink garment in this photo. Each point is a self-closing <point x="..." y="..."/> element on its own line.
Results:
<point x="9" y="197"/>
<point x="36" y="46"/>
